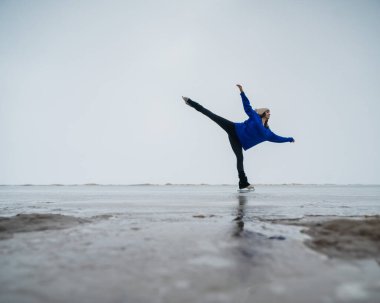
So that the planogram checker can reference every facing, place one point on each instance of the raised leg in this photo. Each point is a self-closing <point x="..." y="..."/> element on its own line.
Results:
<point x="227" y="125"/>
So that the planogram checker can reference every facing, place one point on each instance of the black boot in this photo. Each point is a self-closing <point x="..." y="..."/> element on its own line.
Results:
<point x="243" y="181"/>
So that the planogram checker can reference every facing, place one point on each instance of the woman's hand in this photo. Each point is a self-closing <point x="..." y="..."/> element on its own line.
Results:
<point x="292" y="140"/>
<point x="240" y="87"/>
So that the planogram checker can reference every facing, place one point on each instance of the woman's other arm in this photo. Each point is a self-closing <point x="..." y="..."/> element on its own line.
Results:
<point x="272" y="137"/>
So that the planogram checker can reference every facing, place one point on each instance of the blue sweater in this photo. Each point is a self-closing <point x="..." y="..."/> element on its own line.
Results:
<point x="252" y="131"/>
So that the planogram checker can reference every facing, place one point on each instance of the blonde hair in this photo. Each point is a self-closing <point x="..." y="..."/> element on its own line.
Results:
<point x="266" y="121"/>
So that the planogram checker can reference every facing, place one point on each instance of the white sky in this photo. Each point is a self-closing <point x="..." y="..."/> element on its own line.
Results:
<point x="90" y="91"/>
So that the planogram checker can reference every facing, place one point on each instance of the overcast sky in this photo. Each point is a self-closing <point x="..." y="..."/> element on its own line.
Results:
<point x="90" y="91"/>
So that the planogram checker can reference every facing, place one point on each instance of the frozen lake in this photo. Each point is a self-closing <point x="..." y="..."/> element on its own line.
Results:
<point x="179" y="243"/>
<point x="288" y="201"/>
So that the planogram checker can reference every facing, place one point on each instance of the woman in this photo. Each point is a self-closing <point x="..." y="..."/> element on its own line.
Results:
<point x="244" y="135"/>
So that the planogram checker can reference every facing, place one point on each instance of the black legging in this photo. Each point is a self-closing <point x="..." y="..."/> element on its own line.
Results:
<point x="229" y="127"/>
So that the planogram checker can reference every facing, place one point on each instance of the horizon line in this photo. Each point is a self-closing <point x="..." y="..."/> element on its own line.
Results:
<point x="190" y="184"/>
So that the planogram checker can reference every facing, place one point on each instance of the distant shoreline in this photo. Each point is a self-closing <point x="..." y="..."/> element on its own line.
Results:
<point x="194" y="184"/>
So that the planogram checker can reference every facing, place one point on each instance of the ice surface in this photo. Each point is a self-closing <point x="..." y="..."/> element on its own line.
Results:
<point x="180" y="244"/>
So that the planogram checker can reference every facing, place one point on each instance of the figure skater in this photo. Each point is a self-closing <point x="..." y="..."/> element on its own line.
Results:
<point x="244" y="135"/>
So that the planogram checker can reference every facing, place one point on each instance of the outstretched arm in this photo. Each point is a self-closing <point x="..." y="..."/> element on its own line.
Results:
<point x="247" y="106"/>
<point x="278" y="139"/>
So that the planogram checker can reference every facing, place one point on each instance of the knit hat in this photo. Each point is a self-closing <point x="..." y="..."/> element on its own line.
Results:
<point x="260" y="111"/>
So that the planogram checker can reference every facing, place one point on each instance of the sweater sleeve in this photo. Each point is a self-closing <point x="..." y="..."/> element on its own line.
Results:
<point x="272" y="137"/>
<point x="247" y="106"/>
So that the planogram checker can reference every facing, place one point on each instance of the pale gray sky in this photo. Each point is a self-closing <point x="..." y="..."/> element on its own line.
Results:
<point x="90" y="91"/>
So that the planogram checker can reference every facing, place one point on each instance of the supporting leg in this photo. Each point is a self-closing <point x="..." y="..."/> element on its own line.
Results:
<point x="238" y="150"/>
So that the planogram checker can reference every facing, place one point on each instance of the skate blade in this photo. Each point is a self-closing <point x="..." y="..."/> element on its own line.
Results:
<point x="243" y="190"/>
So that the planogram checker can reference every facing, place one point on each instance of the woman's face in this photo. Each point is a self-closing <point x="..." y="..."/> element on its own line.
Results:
<point x="267" y="114"/>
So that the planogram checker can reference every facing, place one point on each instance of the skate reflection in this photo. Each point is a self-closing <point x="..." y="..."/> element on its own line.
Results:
<point x="239" y="227"/>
